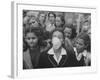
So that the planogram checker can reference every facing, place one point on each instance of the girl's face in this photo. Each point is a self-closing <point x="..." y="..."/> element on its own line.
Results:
<point x="79" y="45"/>
<point x="42" y="17"/>
<point x="68" y="32"/>
<point x="58" y="21"/>
<point x="31" y="39"/>
<point x="51" y="18"/>
<point x="58" y="35"/>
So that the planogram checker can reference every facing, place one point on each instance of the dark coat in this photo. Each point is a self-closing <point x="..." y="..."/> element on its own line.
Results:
<point x="47" y="61"/>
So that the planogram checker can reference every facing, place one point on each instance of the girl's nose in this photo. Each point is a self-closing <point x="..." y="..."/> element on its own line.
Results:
<point x="31" y="40"/>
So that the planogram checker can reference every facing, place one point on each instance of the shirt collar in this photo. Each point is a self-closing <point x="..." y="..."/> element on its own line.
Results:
<point x="63" y="51"/>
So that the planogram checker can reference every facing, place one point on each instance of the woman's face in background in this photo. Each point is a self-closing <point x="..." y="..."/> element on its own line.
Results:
<point x="51" y="18"/>
<point x="58" y="21"/>
<point x="31" y="39"/>
<point x="67" y="32"/>
<point x="85" y="27"/>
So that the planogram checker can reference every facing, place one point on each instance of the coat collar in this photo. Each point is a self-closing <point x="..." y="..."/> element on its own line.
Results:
<point x="63" y="52"/>
<point x="52" y="60"/>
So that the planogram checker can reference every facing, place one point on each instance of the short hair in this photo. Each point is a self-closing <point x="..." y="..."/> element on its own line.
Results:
<point x="41" y="12"/>
<point x="62" y="18"/>
<point x="51" y="13"/>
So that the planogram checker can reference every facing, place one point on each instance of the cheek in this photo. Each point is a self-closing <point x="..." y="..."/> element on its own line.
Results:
<point x="27" y="41"/>
<point x="35" y="41"/>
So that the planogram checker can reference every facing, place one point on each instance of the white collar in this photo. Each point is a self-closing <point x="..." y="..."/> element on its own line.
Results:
<point x="63" y="51"/>
<point x="79" y="56"/>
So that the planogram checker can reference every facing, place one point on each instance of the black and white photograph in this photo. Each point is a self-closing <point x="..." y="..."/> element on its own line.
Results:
<point x="54" y="39"/>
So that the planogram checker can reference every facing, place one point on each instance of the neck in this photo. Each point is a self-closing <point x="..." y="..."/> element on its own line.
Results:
<point x="41" y="22"/>
<point x="33" y="48"/>
<point x="58" y="51"/>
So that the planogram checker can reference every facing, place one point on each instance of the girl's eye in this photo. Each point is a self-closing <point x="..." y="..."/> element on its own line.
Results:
<point x="28" y="38"/>
<point x="33" y="38"/>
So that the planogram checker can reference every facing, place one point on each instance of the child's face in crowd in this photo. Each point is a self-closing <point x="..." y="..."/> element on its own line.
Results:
<point x="59" y="35"/>
<point x="67" y="32"/>
<point x="51" y="18"/>
<point x="42" y="17"/>
<point x="31" y="39"/>
<point x="79" y="45"/>
<point x="58" y="21"/>
<point x="33" y="23"/>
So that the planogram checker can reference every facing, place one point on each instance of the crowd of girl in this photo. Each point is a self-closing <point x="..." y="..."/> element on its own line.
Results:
<point x="56" y="39"/>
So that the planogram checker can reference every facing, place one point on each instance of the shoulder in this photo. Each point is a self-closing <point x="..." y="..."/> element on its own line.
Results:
<point x="26" y="54"/>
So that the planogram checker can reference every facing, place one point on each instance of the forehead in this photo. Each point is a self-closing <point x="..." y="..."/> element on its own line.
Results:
<point x="58" y="18"/>
<point x="51" y="14"/>
<point x="42" y="14"/>
<point x="79" y="40"/>
<point x="58" y="33"/>
<point x="30" y="34"/>
<point x="67" y="29"/>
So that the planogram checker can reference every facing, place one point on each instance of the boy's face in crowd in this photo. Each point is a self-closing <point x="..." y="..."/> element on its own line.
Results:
<point x="79" y="45"/>
<point x="67" y="32"/>
<point x="42" y="17"/>
<point x="58" y="21"/>
<point x="51" y="18"/>
<point x="31" y="39"/>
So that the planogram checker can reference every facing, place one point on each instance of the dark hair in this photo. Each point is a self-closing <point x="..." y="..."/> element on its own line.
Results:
<point x="86" y="39"/>
<point x="38" y="32"/>
<point x="73" y="35"/>
<point x="62" y="19"/>
<point x="51" y="13"/>
<point x="41" y="12"/>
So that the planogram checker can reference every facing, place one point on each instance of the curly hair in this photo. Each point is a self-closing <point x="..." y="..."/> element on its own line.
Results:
<point x="38" y="32"/>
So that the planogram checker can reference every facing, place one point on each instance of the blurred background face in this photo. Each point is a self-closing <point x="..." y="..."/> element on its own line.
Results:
<point x="33" y="23"/>
<point x="85" y="27"/>
<point x="51" y="18"/>
<point x="67" y="32"/>
<point x="42" y="17"/>
<point x="58" y="21"/>
<point x="79" y="44"/>
<point x="31" y="39"/>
